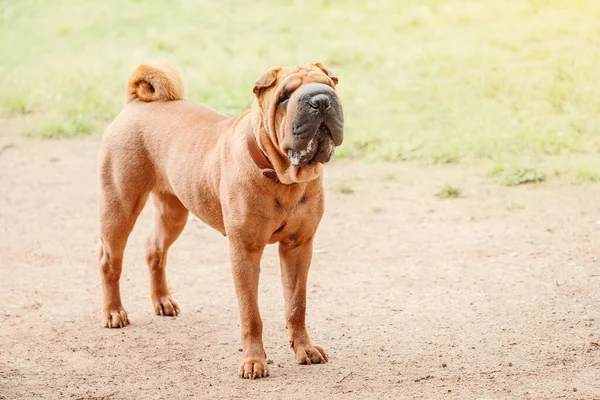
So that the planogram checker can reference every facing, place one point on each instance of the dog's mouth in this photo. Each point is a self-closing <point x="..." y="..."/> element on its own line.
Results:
<point x="319" y="149"/>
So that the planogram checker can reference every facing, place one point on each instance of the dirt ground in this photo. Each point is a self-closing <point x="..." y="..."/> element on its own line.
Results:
<point x="492" y="296"/>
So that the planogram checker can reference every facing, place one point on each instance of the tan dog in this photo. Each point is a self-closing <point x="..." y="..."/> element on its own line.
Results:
<point x="256" y="178"/>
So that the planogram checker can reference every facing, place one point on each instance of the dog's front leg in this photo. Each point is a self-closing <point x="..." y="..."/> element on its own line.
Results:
<point x="295" y="262"/>
<point x="245" y="262"/>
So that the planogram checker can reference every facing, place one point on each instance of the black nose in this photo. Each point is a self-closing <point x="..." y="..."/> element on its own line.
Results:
<point x="319" y="101"/>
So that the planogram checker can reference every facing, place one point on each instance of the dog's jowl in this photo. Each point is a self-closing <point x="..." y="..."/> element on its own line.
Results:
<point x="256" y="178"/>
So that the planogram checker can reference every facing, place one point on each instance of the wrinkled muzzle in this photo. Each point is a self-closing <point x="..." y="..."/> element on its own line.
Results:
<point x="315" y="124"/>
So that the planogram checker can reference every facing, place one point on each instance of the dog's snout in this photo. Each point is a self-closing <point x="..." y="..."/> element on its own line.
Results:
<point x="317" y="119"/>
<point x="319" y="101"/>
<point x="316" y="96"/>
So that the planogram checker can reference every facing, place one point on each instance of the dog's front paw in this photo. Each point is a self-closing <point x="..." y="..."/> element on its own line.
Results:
<point x="165" y="306"/>
<point x="310" y="354"/>
<point x="254" y="368"/>
<point x="115" y="318"/>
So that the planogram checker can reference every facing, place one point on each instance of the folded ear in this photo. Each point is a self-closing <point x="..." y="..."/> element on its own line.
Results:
<point x="327" y="72"/>
<point x="266" y="80"/>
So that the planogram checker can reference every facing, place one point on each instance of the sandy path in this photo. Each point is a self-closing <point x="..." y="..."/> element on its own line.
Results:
<point x="412" y="296"/>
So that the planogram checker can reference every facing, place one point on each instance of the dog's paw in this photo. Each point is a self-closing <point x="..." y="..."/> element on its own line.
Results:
<point x="115" y="318"/>
<point x="310" y="354"/>
<point x="253" y="368"/>
<point x="166" y="306"/>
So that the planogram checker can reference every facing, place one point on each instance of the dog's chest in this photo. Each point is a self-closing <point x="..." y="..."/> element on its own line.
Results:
<point x="291" y="204"/>
<point x="296" y="218"/>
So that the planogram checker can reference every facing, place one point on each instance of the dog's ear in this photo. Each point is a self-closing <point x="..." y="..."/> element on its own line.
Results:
<point x="266" y="80"/>
<point x="327" y="72"/>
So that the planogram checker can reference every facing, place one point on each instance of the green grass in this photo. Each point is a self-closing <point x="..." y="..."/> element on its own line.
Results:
<point x="521" y="176"/>
<point x="449" y="192"/>
<point x="514" y="176"/>
<point x="587" y="175"/>
<point x="15" y="105"/>
<point x="484" y="81"/>
<point x="345" y="189"/>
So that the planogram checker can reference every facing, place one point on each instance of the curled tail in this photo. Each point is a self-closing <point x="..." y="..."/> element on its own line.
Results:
<point x="156" y="81"/>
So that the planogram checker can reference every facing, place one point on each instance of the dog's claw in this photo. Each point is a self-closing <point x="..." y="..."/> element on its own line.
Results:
<point x="166" y="306"/>
<point x="253" y="369"/>
<point x="116" y="318"/>
<point x="311" y="354"/>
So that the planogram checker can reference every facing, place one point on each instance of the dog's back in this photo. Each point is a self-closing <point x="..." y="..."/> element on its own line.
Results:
<point x="137" y="142"/>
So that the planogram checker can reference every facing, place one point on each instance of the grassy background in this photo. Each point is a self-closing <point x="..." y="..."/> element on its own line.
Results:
<point x="513" y="86"/>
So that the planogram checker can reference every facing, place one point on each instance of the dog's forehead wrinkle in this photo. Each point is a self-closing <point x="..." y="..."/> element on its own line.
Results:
<point x="315" y="73"/>
<point x="306" y="79"/>
<point x="292" y="84"/>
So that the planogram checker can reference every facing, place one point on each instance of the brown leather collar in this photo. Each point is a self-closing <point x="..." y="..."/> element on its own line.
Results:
<point x="259" y="157"/>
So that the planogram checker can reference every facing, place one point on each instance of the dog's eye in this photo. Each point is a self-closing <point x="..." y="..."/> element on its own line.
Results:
<point x="283" y="99"/>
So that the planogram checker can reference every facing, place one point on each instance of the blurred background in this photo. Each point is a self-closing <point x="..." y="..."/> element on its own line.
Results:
<point x="511" y="87"/>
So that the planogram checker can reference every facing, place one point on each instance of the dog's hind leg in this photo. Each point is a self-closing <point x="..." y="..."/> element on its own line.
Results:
<point x="122" y="198"/>
<point x="170" y="217"/>
<point x="116" y="222"/>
